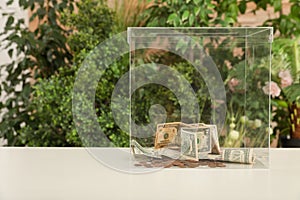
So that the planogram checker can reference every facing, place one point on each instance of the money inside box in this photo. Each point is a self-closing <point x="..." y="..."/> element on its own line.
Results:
<point x="188" y="143"/>
<point x="197" y="97"/>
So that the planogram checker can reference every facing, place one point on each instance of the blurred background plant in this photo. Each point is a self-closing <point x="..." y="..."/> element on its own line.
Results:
<point x="91" y="24"/>
<point x="285" y="88"/>
<point x="40" y="52"/>
<point x="128" y="13"/>
<point x="245" y="132"/>
<point x="247" y="104"/>
<point x="39" y="112"/>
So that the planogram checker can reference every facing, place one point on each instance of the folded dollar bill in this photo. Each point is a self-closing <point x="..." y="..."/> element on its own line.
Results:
<point x="137" y="149"/>
<point x="238" y="155"/>
<point x="168" y="134"/>
<point x="215" y="145"/>
<point x="165" y="136"/>
<point x="135" y="146"/>
<point x="203" y="138"/>
<point x="207" y="139"/>
<point x="189" y="149"/>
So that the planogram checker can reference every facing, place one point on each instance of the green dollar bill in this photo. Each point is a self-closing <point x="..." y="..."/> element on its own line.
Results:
<point x="203" y="138"/>
<point x="215" y="145"/>
<point x="189" y="148"/>
<point x="239" y="155"/>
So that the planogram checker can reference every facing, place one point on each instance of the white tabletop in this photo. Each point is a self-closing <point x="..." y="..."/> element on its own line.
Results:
<point x="72" y="173"/>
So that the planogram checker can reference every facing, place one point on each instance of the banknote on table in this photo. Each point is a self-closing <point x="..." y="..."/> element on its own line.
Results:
<point x="165" y="136"/>
<point x="173" y="138"/>
<point x="189" y="148"/>
<point x="203" y="138"/>
<point x="238" y="155"/>
<point x="164" y="131"/>
<point x="215" y="146"/>
<point x="138" y="149"/>
<point x="215" y="139"/>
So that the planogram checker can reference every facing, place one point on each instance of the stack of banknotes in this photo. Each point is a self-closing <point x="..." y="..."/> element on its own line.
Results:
<point x="195" y="140"/>
<point x="181" y="141"/>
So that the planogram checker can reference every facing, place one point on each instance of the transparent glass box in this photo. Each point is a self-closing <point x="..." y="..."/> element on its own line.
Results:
<point x="203" y="88"/>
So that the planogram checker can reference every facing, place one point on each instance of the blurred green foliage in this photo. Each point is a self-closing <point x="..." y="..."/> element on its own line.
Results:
<point x="191" y="13"/>
<point x="35" y="54"/>
<point x="202" y="13"/>
<point x="39" y="114"/>
<point x="50" y="123"/>
<point x="286" y="54"/>
<point x="49" y="119"/>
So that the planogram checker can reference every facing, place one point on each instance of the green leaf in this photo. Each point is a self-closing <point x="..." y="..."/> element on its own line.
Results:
<point x="185" y="15"/>
<point x="23" y="3"/>
<point x="10" y="21"/>
<point x="277" y="5"/>
<point x="191" y="19"/>
<point x="197" y="2"/>
<point x="26" y="91"/>
<point x="292" y="92"/>
<point x="234" y="10"/>
<point x="10" y="2"/>
<point x="210" y="5"/>
<point x="172" y="18"/>
<point x="263" y="4"/>
<point x="243" y="6"/>
<point x="32" y="4"/>
<point x="10" y="53"/>
<point x="229" y="20"/>
<point x="295" y="11"/>
<point x="279" y="103"/>
<point x="197" y="10"/>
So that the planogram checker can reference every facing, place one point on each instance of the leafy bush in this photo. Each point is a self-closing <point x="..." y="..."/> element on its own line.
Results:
<point x="202" y="13"/>
<point x="191" y="13"/>
<point x="248" y="105"/>
<point x="51" y="120"/>
<point x="39" y="52"/>
<point x="286" y="75"/>
<point x="50" y="123"/>
<point x="40" y="113"/>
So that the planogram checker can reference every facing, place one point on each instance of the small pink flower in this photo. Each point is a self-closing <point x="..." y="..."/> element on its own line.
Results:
<point x="286" y="78"/>
<point x="233" y="83"/>
<point x="271" y="88"/>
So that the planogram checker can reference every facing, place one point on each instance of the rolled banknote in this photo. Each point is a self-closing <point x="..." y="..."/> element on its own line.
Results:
<point x="238" y="155"/>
